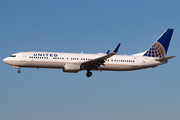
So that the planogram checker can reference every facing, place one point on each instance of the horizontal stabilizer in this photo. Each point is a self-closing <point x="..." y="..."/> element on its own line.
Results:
<point x="165" y="59"/>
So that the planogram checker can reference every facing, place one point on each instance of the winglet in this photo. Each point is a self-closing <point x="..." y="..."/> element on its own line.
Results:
<point x="108" y="52"/>
<point x="116" y="49"/>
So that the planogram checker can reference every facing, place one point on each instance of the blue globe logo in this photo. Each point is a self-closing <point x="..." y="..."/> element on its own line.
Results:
<point x="157" y="50"/>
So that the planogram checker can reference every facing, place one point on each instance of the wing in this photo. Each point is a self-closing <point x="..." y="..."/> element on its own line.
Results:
<point x="95" y="63"/>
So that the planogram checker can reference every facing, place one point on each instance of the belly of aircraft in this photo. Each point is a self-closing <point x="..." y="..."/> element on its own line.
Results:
<point x="40" y="64"/>
<point x="60" y="65"/>
<point x="122" y="67"/>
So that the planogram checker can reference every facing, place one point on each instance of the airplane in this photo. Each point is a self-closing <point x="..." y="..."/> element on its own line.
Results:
<point x="75" y="62"/>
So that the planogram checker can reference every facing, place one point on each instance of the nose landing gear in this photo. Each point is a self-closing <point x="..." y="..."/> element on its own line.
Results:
<point x="19" y="71"/>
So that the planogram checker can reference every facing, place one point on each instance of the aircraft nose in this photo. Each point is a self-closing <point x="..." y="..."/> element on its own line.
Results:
<point x="5" y="60"/>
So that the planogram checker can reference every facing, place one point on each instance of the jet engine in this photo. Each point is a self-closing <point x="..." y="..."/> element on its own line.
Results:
<point x="71" y="68"/>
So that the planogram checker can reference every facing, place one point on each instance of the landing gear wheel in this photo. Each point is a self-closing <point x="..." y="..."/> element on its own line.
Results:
<point x="89" y="74"/>
<point x="19" y="71"/>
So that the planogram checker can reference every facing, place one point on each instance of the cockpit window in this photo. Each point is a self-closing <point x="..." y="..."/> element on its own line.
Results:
<point x="12" y="56"/>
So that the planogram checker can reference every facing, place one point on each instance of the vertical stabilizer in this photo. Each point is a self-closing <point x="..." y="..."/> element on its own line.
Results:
<point x="160" y="47"/>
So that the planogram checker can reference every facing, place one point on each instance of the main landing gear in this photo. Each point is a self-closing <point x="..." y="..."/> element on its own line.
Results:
<point x="88" y="74"/>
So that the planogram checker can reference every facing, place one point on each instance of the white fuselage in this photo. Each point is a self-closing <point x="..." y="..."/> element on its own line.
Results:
<point x="58" y="60"/>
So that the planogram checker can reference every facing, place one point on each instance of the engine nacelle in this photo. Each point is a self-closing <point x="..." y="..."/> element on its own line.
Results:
<point x="71" y="67"/>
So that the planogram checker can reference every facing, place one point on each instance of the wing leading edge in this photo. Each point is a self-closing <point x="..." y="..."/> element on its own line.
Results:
<point x="95" y="63"/>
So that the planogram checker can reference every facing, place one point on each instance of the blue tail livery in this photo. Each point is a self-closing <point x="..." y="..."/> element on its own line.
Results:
<point x="160" y="47"/>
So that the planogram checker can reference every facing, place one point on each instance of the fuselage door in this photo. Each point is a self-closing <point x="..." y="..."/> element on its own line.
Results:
<point x="24" y="57"/>
<point x="143" y="61"/>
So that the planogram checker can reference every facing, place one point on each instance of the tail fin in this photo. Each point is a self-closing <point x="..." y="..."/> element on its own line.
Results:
<point x="160" y="47"/>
